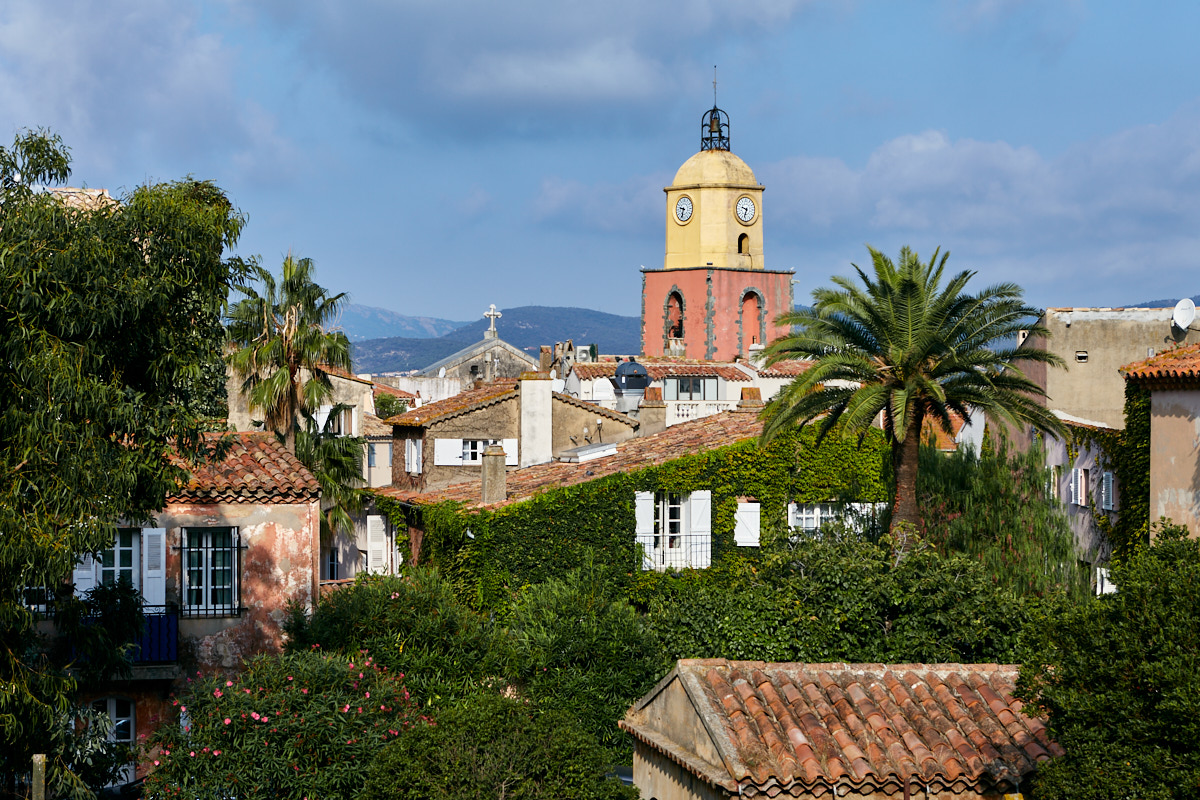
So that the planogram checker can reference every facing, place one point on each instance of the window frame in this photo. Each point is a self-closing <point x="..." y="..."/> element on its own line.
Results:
<point x="206" y="551"/>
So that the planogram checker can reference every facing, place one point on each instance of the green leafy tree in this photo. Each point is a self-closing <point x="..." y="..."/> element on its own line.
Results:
<point x="1119" y="679"/>
<point x="411" y="623"/>
<point x="285" y="345"/>
<point x="336" y="462"/>
<point x="107" y="319"/>
<point x="492" y="747"/>
<point x="995" y="508"/>
<point x="577" y="645"/>
<point x="388" y="406"/>
<point x="292" y="726"/>
<point x="901" y="345"/>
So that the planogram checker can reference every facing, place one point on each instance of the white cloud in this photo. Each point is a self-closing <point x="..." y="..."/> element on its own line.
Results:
<point x="632" y="207"/>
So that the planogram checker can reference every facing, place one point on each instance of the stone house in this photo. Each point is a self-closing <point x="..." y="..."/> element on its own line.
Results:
<point x="1173" y="380"/>
<point x="442" y="443"/>
<point x="730" y="729"/>
<point x="489" y="360"/>
<point x="217" y="568"/>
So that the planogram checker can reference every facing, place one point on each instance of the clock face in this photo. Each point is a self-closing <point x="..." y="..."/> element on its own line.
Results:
<point x="683" y="209"/>
<point x="745" y="209"/>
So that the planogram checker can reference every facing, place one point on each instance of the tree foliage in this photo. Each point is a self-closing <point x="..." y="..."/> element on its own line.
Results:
<point x="336" y="461"/>
<point x="492" y="747"/>
<point x="388" y="406"/>
<point x="108" y="320"/>
<point x="994" y="507"/>
<point x="902" y="345"/>
<point x="294" y="726"/>
<point x="1119" y="679"/>
<point x="411" y="623"/>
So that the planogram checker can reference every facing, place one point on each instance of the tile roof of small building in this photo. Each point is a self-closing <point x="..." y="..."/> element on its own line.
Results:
<point x="811" y="729"/>
<point x="1177" y="365"/>
<point x="383" y="388"/>
<point x="257" y="467"/>
<point x="696" y="436"/>
<point x="373" y="426"/>
<point x="457" y="404"/>
<point x="659" y="369"/>
<point x="785" y="369"/>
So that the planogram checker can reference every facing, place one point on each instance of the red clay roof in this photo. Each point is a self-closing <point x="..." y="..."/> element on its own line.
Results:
<point x="374" y="426"/>
<point x="785" y="369"/>
<point x="257" y="467"/>
<point x="807" y="729"/>
<point x="708" y="433"/>
<point x="1176" y="364"/>
<point x="383" y="388"/>
<point x="932" y="429"/>
<point x="452" y="406"/>
<point x="666" y="369"/>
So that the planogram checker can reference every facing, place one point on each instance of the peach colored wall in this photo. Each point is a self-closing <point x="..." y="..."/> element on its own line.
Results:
<point x="1175" y="457"/>
<point x="712" y="309"/>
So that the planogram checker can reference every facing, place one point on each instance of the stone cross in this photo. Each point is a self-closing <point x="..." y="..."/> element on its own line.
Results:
<point x="493" y="315"/>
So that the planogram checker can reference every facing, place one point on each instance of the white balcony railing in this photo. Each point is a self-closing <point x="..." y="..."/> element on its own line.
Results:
<point x="684" y="410"/>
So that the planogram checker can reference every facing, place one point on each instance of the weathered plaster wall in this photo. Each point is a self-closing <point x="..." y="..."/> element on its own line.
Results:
<point x="279" y="563"/>
<point x="352" y="392"/>
<point x="658" y="777"/>
<point x="1175" y="457"/>
<point x="499" y="420"/>
<point x="570" y="420"/>
<point x="1090" y="541"/>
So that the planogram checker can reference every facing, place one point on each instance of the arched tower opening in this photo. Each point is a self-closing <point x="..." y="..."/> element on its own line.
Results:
<point x="751" y="320"/>
<point x="674" y="316"/>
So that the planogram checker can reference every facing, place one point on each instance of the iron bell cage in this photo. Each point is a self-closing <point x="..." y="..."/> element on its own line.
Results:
<point x="714" y="130"/>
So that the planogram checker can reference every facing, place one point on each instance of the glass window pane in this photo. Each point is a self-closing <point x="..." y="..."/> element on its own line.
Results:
<point x="125" y="537"/>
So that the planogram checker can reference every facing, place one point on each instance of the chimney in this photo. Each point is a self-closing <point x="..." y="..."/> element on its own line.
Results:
<point x="537" y="423"/>
<point x="494" y="489"/>
<point x="751" y="401"/>
<point x="652" y="412"/>
<point x="546" y="358"/>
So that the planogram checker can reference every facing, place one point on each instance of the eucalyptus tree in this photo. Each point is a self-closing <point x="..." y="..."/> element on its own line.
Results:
<point x="109" y="317"/>
<point x="285" y="345"/>
<point x="900" y="347"/>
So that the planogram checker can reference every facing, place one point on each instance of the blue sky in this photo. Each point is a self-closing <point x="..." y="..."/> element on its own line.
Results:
<point x="435" y="157"/>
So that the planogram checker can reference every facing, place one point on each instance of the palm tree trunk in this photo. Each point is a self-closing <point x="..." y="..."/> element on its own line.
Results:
<point x="904" y="466"/>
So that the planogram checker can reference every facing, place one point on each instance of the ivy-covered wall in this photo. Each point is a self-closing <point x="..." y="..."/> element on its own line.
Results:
<point x="490" y="554"/>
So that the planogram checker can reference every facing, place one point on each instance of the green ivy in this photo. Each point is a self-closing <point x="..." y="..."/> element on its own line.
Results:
<point x="547" y="535"/>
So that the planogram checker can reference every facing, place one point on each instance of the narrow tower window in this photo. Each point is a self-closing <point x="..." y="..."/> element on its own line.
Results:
<point x="675" y="316"/>
<point x="744" y="244"/>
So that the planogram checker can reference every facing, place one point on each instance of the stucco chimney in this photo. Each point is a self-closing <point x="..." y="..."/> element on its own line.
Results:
<point x="494" y="489"/>
<point x="537" y="423"/>
<point x="652" y="412"/>
<point x="751" y="401"/>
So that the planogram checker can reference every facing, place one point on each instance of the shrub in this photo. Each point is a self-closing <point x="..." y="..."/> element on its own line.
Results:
<point x="412" y="623"/>
<point x="292" y="726"/>
<point x="489" y="747"/>
<point x="576" y="645"/>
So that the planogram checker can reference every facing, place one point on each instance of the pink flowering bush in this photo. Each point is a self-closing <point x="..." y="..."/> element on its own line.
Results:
<point x="304" y="725"/>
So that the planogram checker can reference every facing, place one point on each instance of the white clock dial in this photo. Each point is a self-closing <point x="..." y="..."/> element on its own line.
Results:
<point x="683" y="209"/>
<point x="745" y="209"/>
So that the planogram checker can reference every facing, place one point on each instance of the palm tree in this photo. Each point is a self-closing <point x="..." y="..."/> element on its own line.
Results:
<point x="336" y="462"/>
<point x="901" y="347"/>
<point x="284" y="345"/>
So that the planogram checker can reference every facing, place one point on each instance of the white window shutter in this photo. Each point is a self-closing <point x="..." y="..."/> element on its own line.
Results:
<point x="747" y="525"/>
<point x="1106" y="492"/>
<point x="510" y="452"/>
<point x="643" y="511"/>
<point x="154" y="566"/>
<point x="408" y="455"/>
<point x="793" y="514"/>
<point x="447" y="452"/>
<point x="1074" y="487"/>
<point x="700" y="528"/>
<point x="376" y="543"/>
<point x="84" y="576"/>
<point x="418" y="454"/>
<point x="321" y="416"/>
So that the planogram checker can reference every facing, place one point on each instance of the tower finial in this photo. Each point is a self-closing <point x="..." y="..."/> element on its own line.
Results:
<point x="714" y="85"/>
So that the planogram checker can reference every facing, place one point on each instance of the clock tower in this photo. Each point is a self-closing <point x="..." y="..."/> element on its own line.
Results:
<point x="713" y="299"/>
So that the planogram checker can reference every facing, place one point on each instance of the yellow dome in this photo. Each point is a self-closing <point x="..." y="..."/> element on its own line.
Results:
<point x="715" y="167"/>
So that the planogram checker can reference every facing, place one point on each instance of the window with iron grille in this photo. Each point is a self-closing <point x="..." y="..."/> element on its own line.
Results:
<point x="211" y="563"/>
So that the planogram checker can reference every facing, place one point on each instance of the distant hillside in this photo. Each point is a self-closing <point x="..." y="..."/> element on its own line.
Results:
<point x="526" y="327"/>
<point x="368" y="322"/>
<point x="1169" y="303"/>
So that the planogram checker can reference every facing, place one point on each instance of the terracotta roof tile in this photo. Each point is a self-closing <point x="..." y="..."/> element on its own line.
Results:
<point x="383" y="388"/>
<point x="257" y="467"/>
<point x="374" y="426"/>
<point x="803" y="729"/>
<point x="785" y="369"/>
<point x="1177" y="365"/>
<point x="660" y="369"/>
<point x="453" y="406"/>
<point x="707" y="433"/>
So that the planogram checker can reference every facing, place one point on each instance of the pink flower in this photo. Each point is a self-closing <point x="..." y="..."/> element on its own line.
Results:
<point x="229" y="683"/>
<point x="227" y="720"/>
<point x="368" y="695"/>
<point x="304" y="691"/>
<point x="216" y="752"/>
<point x="217" y="693"/>
<point x="289" y="677"/>
<point x="192" y="754"/>
<point x="156" y="762"/>
<point x="345" y="708"/>
<point x="254" y="714"/>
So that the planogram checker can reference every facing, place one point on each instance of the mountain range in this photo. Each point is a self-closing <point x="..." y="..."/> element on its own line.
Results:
<point x="526" y="328"/>
<point x="368" y="322"/>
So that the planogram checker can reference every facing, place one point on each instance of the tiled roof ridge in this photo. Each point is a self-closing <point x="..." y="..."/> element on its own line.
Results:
<point x="456" y="405"/>
<point x="616" y="416"/>
<point x="1176" y="364"/>
<point x="256" y="468"/>
<point x="795" y="728"/>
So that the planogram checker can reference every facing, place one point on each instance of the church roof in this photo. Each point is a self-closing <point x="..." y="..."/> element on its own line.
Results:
<point x="714" y="168"/>
<point x="467" y="353"/>
<point x="658" y="370"/>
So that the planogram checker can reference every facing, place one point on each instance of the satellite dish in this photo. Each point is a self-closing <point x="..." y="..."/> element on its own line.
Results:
<point x="442" y="372"/>
<point x="1185" y="314"/>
